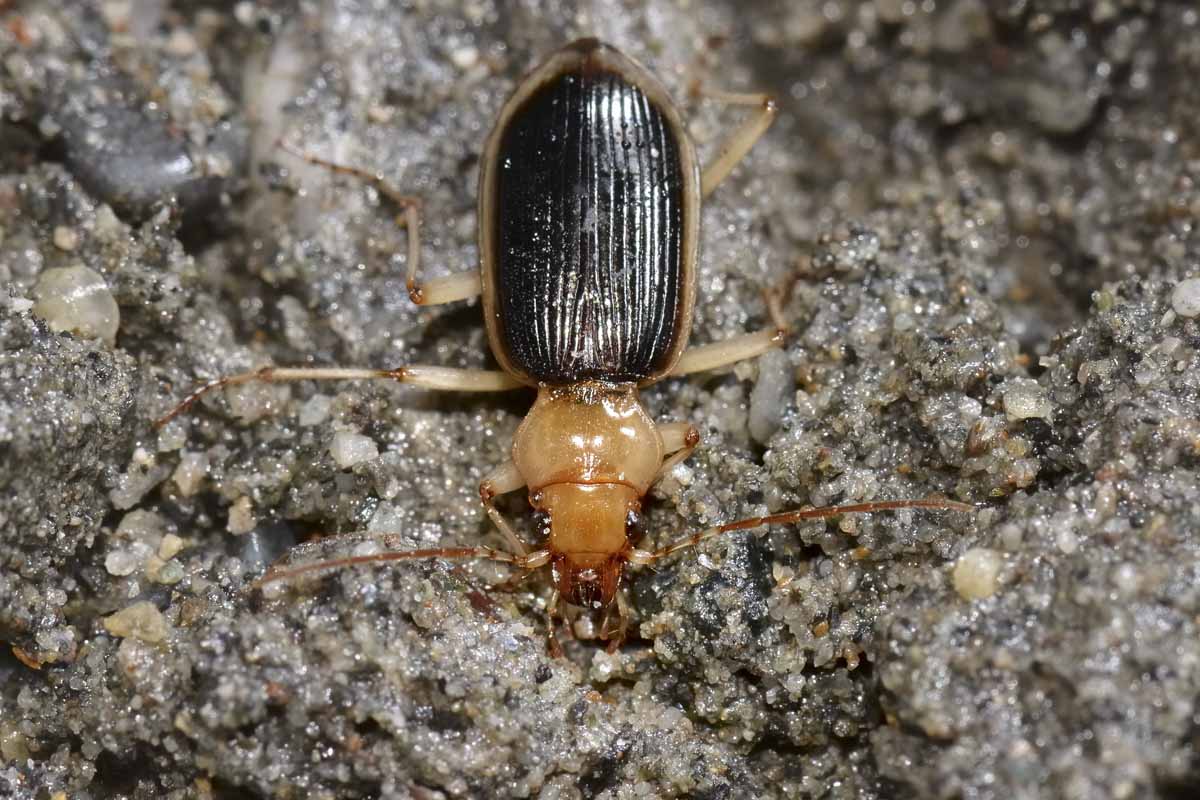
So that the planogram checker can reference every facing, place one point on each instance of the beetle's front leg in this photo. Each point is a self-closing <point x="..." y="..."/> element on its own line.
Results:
<point x="679" y="439"/>
<point x="505" y="478"/>
<point x="615" y="637"/>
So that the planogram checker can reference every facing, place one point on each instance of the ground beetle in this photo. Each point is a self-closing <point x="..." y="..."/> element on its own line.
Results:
<point x="589" y="216"/>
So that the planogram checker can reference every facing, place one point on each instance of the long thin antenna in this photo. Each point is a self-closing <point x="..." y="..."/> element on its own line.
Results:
<point x="785" y="517"/>
<point x="531" y="561"/>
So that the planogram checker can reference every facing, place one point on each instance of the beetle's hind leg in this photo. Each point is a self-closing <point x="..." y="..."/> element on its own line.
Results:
<point x="430" y="377"/>
<point x="744" y="137"/>
<point x="432" y="292"/>
<point x="739" y="348"/>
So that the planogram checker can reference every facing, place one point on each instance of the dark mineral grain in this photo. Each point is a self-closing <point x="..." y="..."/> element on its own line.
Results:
<point x="993" y="210"/>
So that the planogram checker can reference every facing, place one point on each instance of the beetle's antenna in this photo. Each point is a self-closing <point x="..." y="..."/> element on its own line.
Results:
<point x="404" y="201"/>
<point x="531" y="561"/>
<point x="785" y="517"/>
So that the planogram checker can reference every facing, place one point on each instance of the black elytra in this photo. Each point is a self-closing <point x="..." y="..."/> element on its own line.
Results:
<point x="588" y="209"/>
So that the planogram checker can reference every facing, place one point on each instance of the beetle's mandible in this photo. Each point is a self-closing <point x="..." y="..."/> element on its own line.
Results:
<point x="589" y="208"/>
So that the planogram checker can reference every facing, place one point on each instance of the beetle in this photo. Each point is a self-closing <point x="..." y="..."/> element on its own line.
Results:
<point x="589" y="214"/>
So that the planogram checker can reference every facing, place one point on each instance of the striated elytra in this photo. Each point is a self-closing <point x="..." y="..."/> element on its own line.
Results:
<point x="589" y="213"/>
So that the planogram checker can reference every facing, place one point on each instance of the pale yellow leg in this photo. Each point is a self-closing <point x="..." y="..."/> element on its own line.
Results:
<point x="616" y="638"/>
<point x="433" y="292"/>
<point x="740" y="348"/>
<point x="502" y="480"/>
<point x="679" y="439"/>
<point x="735" y="147"/>
<point x="430" y="377"/>
<point x="729" y="351"/>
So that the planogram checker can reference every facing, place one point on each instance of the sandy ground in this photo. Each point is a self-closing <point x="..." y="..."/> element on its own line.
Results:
<point x="992" y="210"/>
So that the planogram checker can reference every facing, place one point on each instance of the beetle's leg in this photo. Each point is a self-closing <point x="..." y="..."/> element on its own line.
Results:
<point x="679" y="439"/>
<point x="447" y="289"/>
<point x="738" y="143"/>
<point x="728" y="351"/>
<point x="502" y="480"/>
<point x="744" y="346"/>
<point x="511" y="584"/>
<point x="616" y="638"/>
<point x="552" y="643"/>
<point x="433" y="292"/>
<point x="786" y="517"/>
<point x="431" y="377"/>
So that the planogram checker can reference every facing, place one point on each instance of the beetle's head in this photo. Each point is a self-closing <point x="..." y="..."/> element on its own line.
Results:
<point x="587" y="580"/>
<point x="589" y="529"/>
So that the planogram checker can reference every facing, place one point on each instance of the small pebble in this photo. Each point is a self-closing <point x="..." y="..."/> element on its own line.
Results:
<point x="772" y="391"/>
<point x="349" y="449"/>
<point x="117" y="14"/>
<point x="66" y="238"/>
<point x="141" y="525"/>
<point x="1011" y="536"/>
<point x="1026" y="400"/>
<point x="181" y="43"/>
<point x="977" y="573"/>
<point x="1127" y="580"/>
<point x="170" y="546"/>
<point x="141" y="620"/>
<point x="108" y="226"/>
<point x="1186" y="298"/>
<point x="169" y="573"/>
<point x="315" y="410"/>
<point x="1067" y="541"/>
<point x="121" y="562"/>
<point x="13" y="745"/>
<point x="264" y="544"/>
<point x="76" y="299"/>
<point x="252" y="401"/>
<point x="133" y="484"/>
<point x="465" y="57"/>
<point x="241" y="516"/>
<point x="49" y="127"/>
<point x="244" y="13"/>
<point x="190" y="473"/>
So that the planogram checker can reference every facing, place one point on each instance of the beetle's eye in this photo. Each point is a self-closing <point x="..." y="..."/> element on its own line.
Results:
<point x="541" y="523"/>
<point x="634" y="525"/>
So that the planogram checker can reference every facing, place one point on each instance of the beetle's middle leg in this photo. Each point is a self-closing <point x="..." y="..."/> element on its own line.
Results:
<point x="431" y="377"/>
<point x="435" y="291"/>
